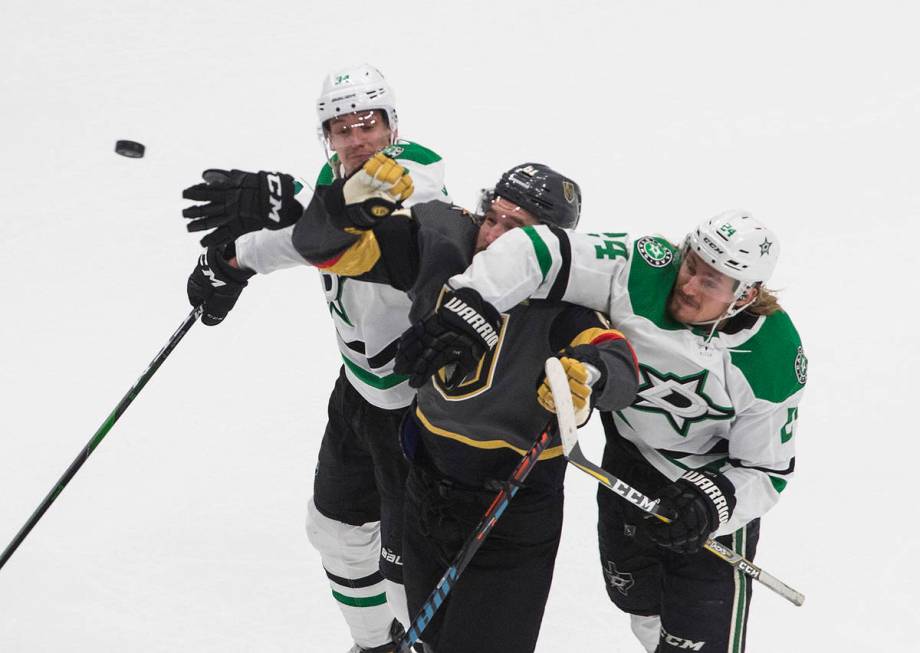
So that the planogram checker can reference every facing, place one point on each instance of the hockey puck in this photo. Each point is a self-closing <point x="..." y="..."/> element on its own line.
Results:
<point x="130" y="149"/>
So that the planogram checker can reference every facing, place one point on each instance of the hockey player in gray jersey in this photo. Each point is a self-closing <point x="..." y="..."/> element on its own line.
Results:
<point x="466" y="434"/>
<point x="712" y="428"/>
<point x="355" y="515"/>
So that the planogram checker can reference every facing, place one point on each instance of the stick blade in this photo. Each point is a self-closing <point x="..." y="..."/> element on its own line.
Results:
<point x="562" y="397"/>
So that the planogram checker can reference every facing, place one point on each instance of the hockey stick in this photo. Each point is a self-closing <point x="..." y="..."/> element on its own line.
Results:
<point x="100" y="434"/>
<point x="479" y="534"/>
<point x="568" y="431"/>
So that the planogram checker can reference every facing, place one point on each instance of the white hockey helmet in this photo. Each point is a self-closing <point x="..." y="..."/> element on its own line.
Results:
<point x="740" y="247"/>
<point x="737" y="245"/>
<point x="358" y="88"/>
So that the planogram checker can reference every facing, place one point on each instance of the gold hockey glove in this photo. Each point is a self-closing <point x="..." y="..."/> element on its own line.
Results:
<point x="583" y="367"/>
<point x="388" y="175"/>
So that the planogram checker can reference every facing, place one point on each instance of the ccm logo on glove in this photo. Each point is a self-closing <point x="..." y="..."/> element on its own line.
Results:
<point x="274" y="198"/>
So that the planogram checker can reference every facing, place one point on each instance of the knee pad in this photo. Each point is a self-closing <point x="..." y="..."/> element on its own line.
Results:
<point x="346" y="550"/>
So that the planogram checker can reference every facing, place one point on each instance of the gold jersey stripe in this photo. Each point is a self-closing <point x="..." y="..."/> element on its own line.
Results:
<point x="552" y="452"/>
<point x="359" y="258"/>
<point x="588" y="336"/>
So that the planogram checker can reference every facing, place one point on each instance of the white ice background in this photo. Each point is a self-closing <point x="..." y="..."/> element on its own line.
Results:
<point x="184" y="530"/>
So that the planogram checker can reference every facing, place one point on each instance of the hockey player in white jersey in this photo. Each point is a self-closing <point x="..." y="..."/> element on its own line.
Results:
<point x="712" y="429"/>
<point x="355" y="515"/>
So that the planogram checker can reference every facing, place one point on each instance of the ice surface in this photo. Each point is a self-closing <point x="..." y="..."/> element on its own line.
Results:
<point x="184" y="531"/>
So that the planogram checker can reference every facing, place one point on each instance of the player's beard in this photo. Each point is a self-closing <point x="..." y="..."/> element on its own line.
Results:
<point x="353" y="160"/>
<point x="680" y="304"/>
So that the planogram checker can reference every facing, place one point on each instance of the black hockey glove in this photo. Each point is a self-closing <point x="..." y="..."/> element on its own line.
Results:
<point x="697" y="504"/>
<point x="216" y="284"/>
<point x="458" y="333"/>
<point x="239" y="202"/>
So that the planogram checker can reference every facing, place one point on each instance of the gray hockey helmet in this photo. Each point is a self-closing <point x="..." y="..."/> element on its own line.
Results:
<point x="551" y="197"/>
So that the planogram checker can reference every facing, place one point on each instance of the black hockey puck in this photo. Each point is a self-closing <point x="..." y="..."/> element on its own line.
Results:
<point x="131" y="149"/>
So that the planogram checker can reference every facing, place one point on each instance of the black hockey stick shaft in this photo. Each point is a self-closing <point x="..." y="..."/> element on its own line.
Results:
<point x="100" y="434"/>
<point x="646" y="504"/>
<point x="474" y="541"/>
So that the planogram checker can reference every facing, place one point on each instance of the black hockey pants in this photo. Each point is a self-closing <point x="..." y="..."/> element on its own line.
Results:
<point x="497" y="604"/>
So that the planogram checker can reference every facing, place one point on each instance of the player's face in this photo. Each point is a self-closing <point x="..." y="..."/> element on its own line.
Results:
<point x="701" y="293"/>
<point x="356" y="137"/>
<point x="502" y="216"/>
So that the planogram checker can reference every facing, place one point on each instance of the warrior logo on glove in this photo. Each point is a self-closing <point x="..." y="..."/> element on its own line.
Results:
<point x="476" y="321"/>
<point x="459" y="333"/>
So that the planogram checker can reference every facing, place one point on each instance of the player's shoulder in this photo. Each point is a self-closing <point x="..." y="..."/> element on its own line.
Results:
<point x="655" y="251"/>
<point x="412" y="152"/>
<point x="326" y="176"/>
<point x="771" y="357"/>
<point x="654" y="262"/>
<point x="435" y="214"/>
<point x="407" y="152"/>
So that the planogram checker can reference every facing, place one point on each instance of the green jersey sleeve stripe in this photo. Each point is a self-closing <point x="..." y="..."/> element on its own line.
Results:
<point x="540" y="249"/>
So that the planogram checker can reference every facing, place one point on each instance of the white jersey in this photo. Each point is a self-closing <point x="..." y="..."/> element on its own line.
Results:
<point x="368" y="317"/>
<point x="728" y="405"/>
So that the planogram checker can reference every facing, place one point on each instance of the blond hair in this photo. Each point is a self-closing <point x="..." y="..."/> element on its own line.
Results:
<point x="766" y="302"/>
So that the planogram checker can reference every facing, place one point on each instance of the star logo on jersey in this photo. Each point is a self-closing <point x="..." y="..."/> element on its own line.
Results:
<point x="801" y="366"/>
<point x="333" y="285"/>
<point x="654" y="253"/>
<point x="680" y="399"/>
<point x="765" y="247"/>
<point x="621" y="582"/>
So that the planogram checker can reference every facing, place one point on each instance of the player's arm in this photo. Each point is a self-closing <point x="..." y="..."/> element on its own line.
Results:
<point x="540" y="262"/>
<point x="704" y="503"/>
<point x="761" y="458"/>
<point x="599" y="362"/>
<point x="766" y="378"/>
<point x="262" y="251"/>
<point x="547" y="263"/>
<point x="428" y="179"/>
<point x="355" y="228"/>
<point x="336" y="230"/>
